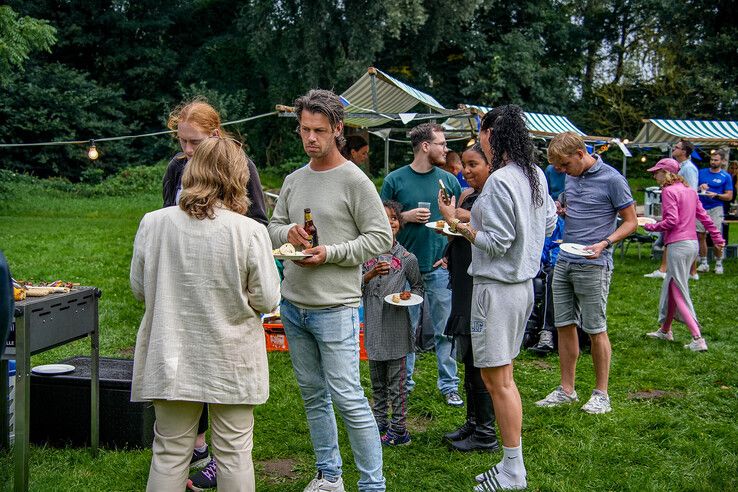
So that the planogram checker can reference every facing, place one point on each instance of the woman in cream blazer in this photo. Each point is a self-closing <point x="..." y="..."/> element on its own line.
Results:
<point x="205" y="273"/>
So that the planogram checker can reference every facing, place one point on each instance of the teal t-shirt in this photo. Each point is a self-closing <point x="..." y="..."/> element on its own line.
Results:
<point x="409" y="187"/>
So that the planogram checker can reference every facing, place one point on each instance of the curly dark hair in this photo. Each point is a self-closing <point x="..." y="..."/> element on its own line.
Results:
<point x="396" y="208"/>
<point x="510" y="141"/>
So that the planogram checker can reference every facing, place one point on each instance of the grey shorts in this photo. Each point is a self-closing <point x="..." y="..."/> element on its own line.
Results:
<point x="580" y="295"/>
<point x="716" y="214"/>
<point x="498" y="317"/>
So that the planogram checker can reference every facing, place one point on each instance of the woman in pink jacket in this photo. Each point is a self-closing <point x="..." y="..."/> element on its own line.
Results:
<point x="680" y="208"/>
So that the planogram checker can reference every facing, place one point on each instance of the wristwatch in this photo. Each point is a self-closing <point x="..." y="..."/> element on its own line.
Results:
<point x="609" y="243"/>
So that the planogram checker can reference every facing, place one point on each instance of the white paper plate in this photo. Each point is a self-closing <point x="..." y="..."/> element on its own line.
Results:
<point x="646" y="220"/>
<point x="53" y="369"/>
<point x="432" y="225"/>
<point x="294" y="256"/>
<point x="702" y="193"/>
<point x="414" y="299"/>
<point x="446" y="228"/>
<point x="575" y="249"/>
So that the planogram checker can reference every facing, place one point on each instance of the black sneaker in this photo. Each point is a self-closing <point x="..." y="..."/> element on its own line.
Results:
<point x="204" y="479"/>
<point x="199" y="459"/>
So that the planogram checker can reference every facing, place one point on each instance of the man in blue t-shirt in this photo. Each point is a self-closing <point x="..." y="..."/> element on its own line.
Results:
<point x="715" y="188"/>
<point x="411" y="185"/>
<point x="595" y="195"/>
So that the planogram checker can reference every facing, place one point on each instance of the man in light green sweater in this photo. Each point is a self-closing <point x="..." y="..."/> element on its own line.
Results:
<point x="321" y="293"/>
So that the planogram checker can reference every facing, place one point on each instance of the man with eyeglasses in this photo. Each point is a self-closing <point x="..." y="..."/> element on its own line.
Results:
<point x="414" y="185"/>
<point x="682" y="153"/>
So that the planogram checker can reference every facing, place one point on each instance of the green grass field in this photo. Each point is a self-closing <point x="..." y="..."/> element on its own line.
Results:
<point x="685" y="438"/>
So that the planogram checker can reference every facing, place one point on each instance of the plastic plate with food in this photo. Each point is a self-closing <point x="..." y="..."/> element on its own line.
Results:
<point x="397" y="299"/>
<point x="287" y="252"/>
<point x="646" y="220"/>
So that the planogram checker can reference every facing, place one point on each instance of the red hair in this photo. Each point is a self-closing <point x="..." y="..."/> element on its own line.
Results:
<point x="199" y="113"/>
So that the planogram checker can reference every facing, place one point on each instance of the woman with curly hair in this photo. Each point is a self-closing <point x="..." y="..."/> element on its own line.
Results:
<point x="509" y="222"/>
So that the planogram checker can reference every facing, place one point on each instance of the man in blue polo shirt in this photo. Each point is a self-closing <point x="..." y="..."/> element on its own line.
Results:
<point x="595" y="195"/>
<point x="716" y="188"/>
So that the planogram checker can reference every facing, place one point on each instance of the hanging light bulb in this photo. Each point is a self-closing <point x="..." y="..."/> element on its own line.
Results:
<point x="626" y="141"/>
<point x="92" y="152"/>
<point x="471" y="141"/>
<point x="643" y="158"/>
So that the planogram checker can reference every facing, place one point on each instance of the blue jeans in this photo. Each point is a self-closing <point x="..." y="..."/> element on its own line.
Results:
<point x="438" y="294"/>
<point x="324" y="348"/>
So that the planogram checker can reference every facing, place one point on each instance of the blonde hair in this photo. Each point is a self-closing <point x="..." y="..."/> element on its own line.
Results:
<point x="216" y="175"/>
<point x="197" y="112"/>
<point x="671" y="178"/>
<point x="565" y="144"/>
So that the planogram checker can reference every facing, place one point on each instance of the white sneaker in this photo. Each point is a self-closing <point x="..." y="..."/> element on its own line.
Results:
<point x="718" y="269"/>
<point x="557" y="397"/>
<point x="697" y="345"/>
<point x="703" y="267"/>
<point x="599" y="402"/>
<point x="319" y="484"/>
<point x="696" y="276"/>
<point x="668" y="336"/>
<point x="656" y="274"/>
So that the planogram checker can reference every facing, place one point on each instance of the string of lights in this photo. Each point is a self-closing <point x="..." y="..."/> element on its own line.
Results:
<point x="92" y="151"/>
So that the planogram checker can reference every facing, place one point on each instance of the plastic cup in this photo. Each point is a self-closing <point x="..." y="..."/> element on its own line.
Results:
<point x="424" y="205"/>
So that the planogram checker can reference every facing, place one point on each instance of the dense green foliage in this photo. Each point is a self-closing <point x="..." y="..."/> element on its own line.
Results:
<point x="119" y="67"/>
<point x="681" y="439"/>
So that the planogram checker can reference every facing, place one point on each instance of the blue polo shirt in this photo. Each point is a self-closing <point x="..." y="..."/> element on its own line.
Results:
<point x="556" y="181"/>
<point x="593" y="201"/>
<point x="718" y="182"/>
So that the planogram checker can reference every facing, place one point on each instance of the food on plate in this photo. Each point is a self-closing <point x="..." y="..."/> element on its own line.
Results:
<point x="286" y="249"/>
<point x="440" y="224"/>
<point x="19" y="293"/>
<point x="405" y="295"/>
<point x="396" y="298"/>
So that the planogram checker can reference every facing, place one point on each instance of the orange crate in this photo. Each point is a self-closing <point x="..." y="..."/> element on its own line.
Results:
<point x="276" y="340"/>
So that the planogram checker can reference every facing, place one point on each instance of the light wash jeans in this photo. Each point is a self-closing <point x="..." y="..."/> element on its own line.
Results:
<point x="438" y="294"/>
<point x="324" y="348"/>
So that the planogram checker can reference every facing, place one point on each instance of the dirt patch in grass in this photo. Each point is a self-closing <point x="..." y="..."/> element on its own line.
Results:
<point x="418" y="423"/>
<point x="279" y="469"/>
<point x="127" y="352"/>
<point x="654" y="395"/>
<point x="542" y="364"/>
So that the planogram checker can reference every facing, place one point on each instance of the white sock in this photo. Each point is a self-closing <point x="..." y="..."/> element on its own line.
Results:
<point x="703" y="260"/>
<point x="202" y="448"/>
<point x="719" y="262"/>
<point x="512" y="461"/>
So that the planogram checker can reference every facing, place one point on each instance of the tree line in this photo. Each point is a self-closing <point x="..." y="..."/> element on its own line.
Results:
<point x="73" y="70"/>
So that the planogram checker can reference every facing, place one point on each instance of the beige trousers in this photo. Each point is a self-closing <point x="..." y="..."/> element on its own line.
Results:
<point x="232" y="431"/>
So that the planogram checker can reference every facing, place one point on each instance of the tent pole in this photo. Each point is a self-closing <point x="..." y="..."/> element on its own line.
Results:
<point x="374" y="91"/>
<point x="625" y="166"/>
<point x="386" y="155"/>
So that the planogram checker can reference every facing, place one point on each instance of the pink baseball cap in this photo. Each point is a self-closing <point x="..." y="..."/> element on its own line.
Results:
<point x="667" y="164"/>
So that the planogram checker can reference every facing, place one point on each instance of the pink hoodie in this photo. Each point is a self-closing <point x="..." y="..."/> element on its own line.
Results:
<point x="680" y="208"/>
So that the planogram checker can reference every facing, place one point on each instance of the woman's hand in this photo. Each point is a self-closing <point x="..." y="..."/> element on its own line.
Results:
<point x="447" y="211"/>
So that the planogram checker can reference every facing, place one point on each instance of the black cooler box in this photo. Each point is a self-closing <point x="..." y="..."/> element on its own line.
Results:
<point x="60" y="407"/>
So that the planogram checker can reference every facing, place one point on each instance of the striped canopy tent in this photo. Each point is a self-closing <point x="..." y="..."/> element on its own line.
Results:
<point x="539" y="124"/>
<point x="658" y="132"/>
<point x="378" y="98"/>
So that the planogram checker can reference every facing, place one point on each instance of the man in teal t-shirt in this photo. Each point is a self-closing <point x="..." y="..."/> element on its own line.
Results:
<point x="418" y="182"/>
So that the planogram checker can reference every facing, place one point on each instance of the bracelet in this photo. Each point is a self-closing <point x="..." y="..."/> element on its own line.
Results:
<point x="609" y="243"/>
<point x="453" y="224"/>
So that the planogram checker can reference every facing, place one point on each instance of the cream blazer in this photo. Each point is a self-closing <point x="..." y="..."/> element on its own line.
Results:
<point x="204" y="283"/>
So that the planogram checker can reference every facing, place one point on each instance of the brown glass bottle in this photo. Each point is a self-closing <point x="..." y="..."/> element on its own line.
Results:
<point x="310" y="228"/>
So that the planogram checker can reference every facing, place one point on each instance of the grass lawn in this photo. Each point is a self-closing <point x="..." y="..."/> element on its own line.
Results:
<point x="673" y="426"/>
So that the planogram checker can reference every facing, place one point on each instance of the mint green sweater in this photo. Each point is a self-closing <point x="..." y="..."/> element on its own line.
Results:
<point x="351" y="223"/>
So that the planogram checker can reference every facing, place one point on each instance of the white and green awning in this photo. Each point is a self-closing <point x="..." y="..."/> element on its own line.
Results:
<point x="539" y="124"/>
<point x="378" y="98"/>
<point x="701" y="132"/>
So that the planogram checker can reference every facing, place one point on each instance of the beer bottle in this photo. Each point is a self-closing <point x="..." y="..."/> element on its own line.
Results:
<point x="310" y="228"/>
